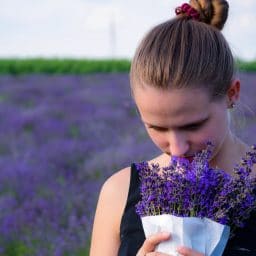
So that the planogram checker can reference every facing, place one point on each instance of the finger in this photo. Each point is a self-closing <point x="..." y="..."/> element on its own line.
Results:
<point x="157" y="254"/>
<point x="185" y="251"/>
<point x="151" y="242"/>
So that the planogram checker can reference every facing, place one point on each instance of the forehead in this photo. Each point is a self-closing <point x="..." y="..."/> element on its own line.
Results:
<point x="175" y="105"/>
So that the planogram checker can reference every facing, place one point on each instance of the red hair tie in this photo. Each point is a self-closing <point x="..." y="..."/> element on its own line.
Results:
<point x="188" y="10"/>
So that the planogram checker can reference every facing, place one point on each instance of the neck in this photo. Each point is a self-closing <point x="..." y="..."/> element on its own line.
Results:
<point x="230" y="153"/>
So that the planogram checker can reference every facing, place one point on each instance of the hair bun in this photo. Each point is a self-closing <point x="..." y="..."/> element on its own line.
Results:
<point x="212" y="12"/>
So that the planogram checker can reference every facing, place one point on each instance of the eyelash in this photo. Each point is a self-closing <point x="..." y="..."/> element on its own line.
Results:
<point x="188" y="128"/>
<point x="158" y="128"/>
<point x="193" y="127"/>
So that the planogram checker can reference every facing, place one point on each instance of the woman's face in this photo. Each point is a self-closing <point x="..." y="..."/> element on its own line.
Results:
<point x="180" y="121"/>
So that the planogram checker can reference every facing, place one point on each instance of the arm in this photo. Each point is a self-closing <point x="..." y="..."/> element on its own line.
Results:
<point x="105" y="235"/>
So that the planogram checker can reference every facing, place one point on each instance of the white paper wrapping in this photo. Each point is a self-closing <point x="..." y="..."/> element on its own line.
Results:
<point x="201" y="234"/>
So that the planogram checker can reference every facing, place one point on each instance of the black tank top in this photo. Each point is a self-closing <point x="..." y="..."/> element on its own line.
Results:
<point x="132" y="235"/>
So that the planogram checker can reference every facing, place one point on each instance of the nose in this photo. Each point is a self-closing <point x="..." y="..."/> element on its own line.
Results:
<point x="178" y="144"/>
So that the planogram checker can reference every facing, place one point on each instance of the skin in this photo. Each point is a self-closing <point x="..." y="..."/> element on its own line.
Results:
<point x="169" y="117"/>
<point x="180" y="121"/>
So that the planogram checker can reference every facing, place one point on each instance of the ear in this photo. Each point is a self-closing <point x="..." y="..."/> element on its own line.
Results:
<point x="233" y="93"/>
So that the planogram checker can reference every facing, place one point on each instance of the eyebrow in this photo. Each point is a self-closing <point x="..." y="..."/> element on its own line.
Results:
<point x="198" y="122"/>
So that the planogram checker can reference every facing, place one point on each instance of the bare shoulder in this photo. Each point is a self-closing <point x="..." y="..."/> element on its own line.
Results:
<point x="116" y="189"/>
<point x="108" y="215"/>
<point x="119" y="181"/>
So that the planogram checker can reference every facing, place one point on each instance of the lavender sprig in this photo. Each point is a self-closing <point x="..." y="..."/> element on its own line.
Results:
<point x="196" y="190"/>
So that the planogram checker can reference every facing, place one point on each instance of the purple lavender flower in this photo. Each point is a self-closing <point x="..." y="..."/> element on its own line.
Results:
<point x="196" y="190"/>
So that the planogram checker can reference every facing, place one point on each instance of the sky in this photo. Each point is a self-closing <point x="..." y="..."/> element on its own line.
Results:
<point x="103" y="28"/>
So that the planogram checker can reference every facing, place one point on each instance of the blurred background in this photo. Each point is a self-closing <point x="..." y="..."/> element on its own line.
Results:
<point x="102" y="28"/>
<point x="67" y="120"/>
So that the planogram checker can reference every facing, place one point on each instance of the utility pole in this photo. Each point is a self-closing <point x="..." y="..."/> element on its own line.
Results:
<point x="112" y="35"/>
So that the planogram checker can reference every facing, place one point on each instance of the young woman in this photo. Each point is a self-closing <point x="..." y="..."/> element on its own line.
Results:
<point x="184" y="85"/>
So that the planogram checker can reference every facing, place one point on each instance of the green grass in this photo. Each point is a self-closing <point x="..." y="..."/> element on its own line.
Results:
<point x="249" y="66"/>
<point x="18" y="248"/>
<point x="80" y="66"/>
<point x="62" y="66"/>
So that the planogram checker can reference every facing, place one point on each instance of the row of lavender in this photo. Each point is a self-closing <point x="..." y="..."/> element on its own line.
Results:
<point x="60" y="137"/>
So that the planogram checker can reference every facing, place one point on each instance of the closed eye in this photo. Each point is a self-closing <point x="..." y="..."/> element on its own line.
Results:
<point x="157" y="128"/>
<point x="188" y="127"/>
<point x="193" y="127"/>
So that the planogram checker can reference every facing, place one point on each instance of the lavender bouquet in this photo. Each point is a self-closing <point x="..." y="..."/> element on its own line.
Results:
<point x="201" y="206"/>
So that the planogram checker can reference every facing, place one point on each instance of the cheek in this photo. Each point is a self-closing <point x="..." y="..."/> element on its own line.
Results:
<point x="216" y="132"/>
<point x="210" y="132"/>
<point x="219" y="128"/>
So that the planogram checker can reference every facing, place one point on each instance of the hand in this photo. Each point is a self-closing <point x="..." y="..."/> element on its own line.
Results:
<point x="151" y="242"/>
<point x="148" y="247"/>
<point x="185" y="251"/>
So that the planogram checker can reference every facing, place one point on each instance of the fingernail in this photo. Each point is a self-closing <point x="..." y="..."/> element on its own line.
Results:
<point x="166" y="233"/>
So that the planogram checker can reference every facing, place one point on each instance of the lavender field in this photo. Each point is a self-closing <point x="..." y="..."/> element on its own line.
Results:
<point x="60" y="137"/>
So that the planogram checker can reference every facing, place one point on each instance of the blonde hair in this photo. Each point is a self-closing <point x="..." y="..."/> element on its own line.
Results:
<point x="183" y="52"/>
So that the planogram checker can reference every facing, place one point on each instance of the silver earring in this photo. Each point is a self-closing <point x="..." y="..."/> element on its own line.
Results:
<point x="232" y="105"/>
